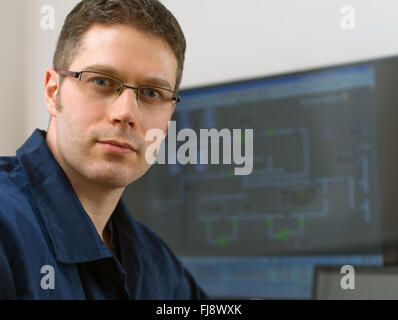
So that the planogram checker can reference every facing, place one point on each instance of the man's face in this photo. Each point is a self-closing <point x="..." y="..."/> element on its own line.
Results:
<point x="83" y="124"/>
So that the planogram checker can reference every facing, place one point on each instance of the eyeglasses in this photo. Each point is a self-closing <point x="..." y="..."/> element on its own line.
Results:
<point x="101" y="86"/>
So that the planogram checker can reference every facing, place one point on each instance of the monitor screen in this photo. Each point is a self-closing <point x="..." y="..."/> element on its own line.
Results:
<point x="315" y="188"/>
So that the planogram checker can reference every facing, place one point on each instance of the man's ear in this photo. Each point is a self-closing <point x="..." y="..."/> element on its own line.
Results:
<point x="51" y="87"/>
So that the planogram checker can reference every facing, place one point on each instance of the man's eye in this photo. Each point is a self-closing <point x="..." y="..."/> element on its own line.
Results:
<point x="101" y="82"/>
<point x="152" y="93"/>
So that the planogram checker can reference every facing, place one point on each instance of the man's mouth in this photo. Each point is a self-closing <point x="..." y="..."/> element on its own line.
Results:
<point x="118" y="147"/>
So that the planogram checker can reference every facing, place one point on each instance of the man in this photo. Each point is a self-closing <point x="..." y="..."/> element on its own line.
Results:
<point x="65" y="233"/>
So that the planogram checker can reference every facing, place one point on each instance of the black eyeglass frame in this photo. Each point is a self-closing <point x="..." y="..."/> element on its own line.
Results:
<point x="78" y="75"/>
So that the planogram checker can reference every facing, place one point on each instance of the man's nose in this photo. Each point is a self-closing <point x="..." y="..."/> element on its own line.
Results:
<point x="125" y="108"/>
<point x="135" y="90"/>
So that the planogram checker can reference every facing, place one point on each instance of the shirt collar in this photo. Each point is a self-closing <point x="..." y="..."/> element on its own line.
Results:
<point x="70" y="229"/>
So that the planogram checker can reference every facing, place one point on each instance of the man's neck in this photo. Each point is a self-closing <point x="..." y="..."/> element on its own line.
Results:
<point x="99" y="203"/>
<point x="97" y="200"/>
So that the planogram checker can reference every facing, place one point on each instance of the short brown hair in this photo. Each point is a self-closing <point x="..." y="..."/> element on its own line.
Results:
<point x="149" y="16"/>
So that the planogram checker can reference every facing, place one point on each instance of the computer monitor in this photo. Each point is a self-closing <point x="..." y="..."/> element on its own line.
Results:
<point x="322" y="189"/>
<point x="367" y="283"/>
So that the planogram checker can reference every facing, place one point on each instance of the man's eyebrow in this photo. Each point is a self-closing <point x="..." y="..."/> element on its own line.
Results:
<point x="158" y="82"/>
<point x="112" y="71"/>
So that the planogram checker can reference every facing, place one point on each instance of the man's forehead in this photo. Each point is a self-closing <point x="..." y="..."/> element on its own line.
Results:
<point x="100" y="35"/>
<point x="113" y="49"/>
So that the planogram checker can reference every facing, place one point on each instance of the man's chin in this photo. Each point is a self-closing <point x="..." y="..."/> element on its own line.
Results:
<point x="113" y="174"/>
<point x="114" y="178"/>
<point x="111" y="183"/>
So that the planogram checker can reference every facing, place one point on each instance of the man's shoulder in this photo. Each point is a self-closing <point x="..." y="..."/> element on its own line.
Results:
<point x="154" y="246"/>
<point x="11" y="177"/>
<point x="9" y="169"/>
<point x="7" y="164"/>
<point x="13" y="189"/>
<point x="150" y="239"/>
<point x="170" y="270"/>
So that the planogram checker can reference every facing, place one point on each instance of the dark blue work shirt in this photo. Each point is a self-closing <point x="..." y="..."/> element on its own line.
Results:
<point x="50" y="249"/>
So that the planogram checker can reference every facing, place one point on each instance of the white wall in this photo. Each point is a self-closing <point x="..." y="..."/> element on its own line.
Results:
<point x="41" y="44"/>
<point x="227" y="40"/>
<point x="233" y="39"/>
<point x="12" y="84"/>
